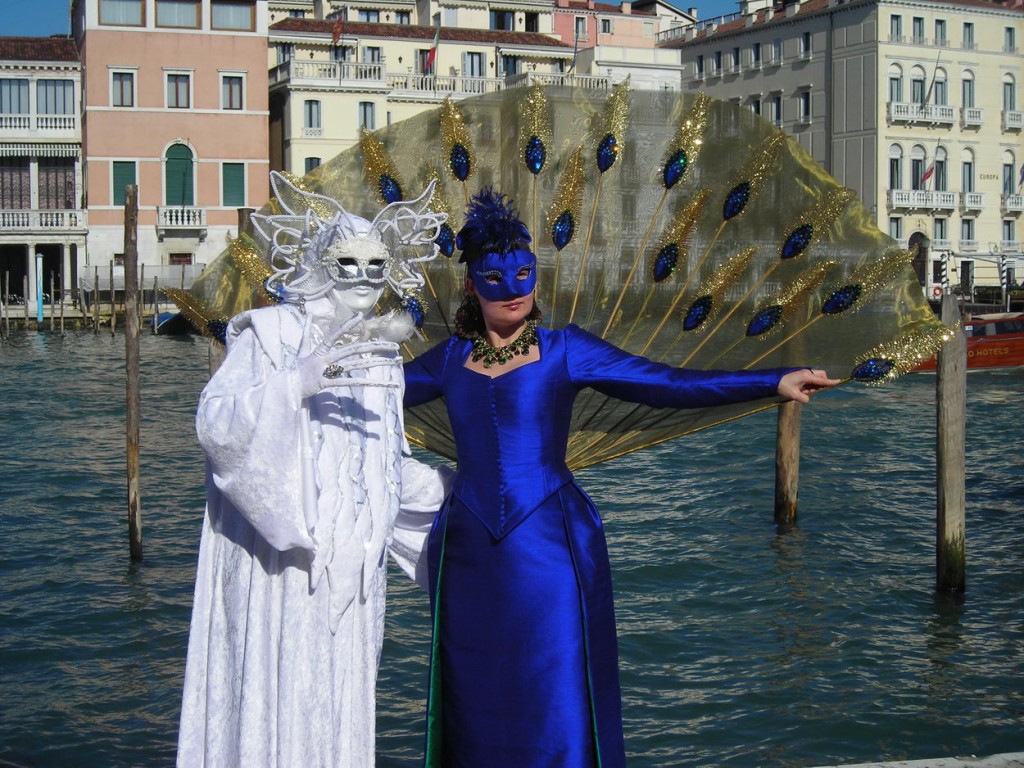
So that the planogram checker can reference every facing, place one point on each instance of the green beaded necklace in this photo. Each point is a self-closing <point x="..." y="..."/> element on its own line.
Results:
<point x="483" y="351"/>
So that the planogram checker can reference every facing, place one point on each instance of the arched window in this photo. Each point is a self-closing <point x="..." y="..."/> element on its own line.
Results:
<point x="895" y="83"/>
<point x="940" y="91"/>
<point x="1009" y="93"/>
<point x="917" y="167"/>
<point x="941" y="175"/>
<point x="178" y="176"/>
<point x="1009" y="173"/>
<point x="895" y="166"/>
<point x="967" y="89"/>
<point x="966" y="170"/>
<point x="918" y="85"/>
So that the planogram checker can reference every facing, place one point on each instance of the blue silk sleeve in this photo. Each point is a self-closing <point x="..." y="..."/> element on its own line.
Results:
<point x="424" y="375"/>
<point x="602" y="366"/>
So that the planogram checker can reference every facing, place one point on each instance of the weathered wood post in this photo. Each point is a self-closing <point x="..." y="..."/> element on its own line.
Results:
<point x="96" y="300"/>
<point x="24" y="289"/>
<point x="951" y="418"/>
<point x="142" y="292"/>
<point x="62" y="302"/>
<point x="131" y="356"/>
<point x="787" y="463"/>
<point x="7" y="304"/>
<point x="113" y="306"/>
<point x="53" y="304"/>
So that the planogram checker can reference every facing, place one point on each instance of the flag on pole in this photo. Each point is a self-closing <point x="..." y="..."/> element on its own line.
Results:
<point x="927" y="175"/>
<point x="336" y="30"/>
<point x="1020" y="179"/>
<point x="432" y="55"/>
<point x="575" y="51"/>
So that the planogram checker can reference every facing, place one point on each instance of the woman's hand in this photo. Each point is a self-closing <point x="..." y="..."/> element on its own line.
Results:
<point x="800" y="385"/>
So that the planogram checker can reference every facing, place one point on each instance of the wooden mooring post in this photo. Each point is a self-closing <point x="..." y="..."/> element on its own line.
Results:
<point x="787" y="463"/>
<point x="950" y="454"/>
<point x="96" y="301"/>
<point x="131" y="352"/>
<point x="7" y="304"/>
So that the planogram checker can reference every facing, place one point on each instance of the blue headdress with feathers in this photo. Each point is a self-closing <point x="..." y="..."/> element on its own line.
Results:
<point x="492" y="226"/>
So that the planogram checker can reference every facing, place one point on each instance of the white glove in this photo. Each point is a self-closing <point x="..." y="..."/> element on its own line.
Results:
<point x="335" y="358"/>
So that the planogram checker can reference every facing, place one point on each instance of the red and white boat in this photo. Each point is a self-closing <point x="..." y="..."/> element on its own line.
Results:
<point x="993" y="341"/>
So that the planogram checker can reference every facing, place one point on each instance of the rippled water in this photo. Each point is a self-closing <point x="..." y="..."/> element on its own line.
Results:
<point x="740" y="645"/>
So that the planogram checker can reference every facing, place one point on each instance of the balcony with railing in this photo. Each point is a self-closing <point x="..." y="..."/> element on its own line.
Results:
<point x="1013" y="203"/>
<point x="350" y="74"/>
<point x="38" y="127"/>
<point x="26" y="221"/>
<point x="971" y="117"/>
<point x="973" y="201"/>
<point x="1013" y="120"/>
<point x="929" y="114"/>
<point x="941" y="244"/>
<point x="181" y="221"/>
<point x="1010" y="246"/>
<point x="922" y="199"/>
<point x="968" y="246"/>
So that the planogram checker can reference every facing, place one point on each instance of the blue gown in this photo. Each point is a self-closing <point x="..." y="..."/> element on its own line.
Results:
<point x="524" y="668"/>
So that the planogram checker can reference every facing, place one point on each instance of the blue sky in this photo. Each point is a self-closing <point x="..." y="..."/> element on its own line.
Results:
<point x="48" y="17"/>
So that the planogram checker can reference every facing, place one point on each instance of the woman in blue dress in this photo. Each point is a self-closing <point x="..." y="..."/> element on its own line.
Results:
<point x="524" y="667"/>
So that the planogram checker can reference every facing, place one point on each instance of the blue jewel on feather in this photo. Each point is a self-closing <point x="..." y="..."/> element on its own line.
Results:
<point x="445" y="240"/>
<point x="535" y="155"/>
<point x="797" y="241"/>
<point x="697" y="313"/>
<point x="390" y="189"/>
<point x="218" y="329"/>
<point x="736" y="200"/>
<point x="841" y="299"/>
<point x="675" y="168"/>
<point x="665" y="262"/>
<point x="562" y="230"/>
<point x="273" y="289"/>
<point x="458" y="161"/>
<point x="607" y="150"/>
<point x="764" y="320"/>
<point x="872" y="370"/>
<point x="414" y="307"/>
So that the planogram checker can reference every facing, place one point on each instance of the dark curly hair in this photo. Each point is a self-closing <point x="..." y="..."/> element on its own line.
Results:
<point x="492" y="226"/>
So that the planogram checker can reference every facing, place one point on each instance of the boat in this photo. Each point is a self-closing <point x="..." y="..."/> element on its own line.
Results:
<point x="994" y="341"/>
<point x="171" y="324"/>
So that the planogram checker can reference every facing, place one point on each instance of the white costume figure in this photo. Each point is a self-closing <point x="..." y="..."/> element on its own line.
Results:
<point x="309" y="487"/>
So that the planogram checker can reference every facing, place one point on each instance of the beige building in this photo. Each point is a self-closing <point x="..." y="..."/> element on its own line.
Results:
<point x="175" y="103"/>
<point x="42" y="217"/>
<point x="914" y="104"/>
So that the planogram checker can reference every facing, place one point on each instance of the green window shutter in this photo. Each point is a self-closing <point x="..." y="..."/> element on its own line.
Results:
<point x="124" y="174"/>
<point x="233" y="177"/>
<point x="178" y="175"/>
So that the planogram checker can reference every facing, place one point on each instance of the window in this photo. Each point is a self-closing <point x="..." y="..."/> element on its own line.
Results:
<point x="940" y="32"/>
<point x="367" y="120"/>
<point x="122" y="175"/>
<point x="895" y="29"/>
<point x="967" y="90"/>
<point x="941" y="177"/>
<point x="285" y="52"/>
<point x="969" y="35"/>
<point x="896" y="227"/>
<point x="177" y="13"/>
<point x="917" y="30"/>
<point x="580" y="27"/>
<point x="1009" y="40"/>
<point x="1009" y="174"/>
<point x="606" y="26"/>
<point x="178" y="176"/>
<point x="967" y="176"/>
<point x="450" y="15"/>
<point x="777" y="50"/>
<point x="510" y="65"/>
<point x="122" y="89"/>
<point x="895" y="167"/>
<point x="15" y="183"/>
<point x="233" y="184"/>
<point x="734" y="60"/>
<point x="698" y="66"/>
<point x="532" y="19"/>
<point x="231" y="89"/>
<point x="940" y="89"/>
<point x="14" y="96"/>
<point x="372" y="55"/>
<point x="805" y="107"/>
<point x="343" y="53"/>
<point x="1009" y="230"/>
<point x="755" y="105"/>
<point x="311" y="114"/>
<point x="940" y="232"/>
<point x="718" y="63"/>
<point x="177" y="259"/>
<point x="295" y="14"/>
<point x="179" y="87"/>
<point x="503" y="20"/>
<point x="967" y="276"/>
<point x="917" y="168"/>
<point x="235" y="15"/>
<point x="967" y="229"/>
<point x="122" y="13"/>
<point x="755" y="55"/>
<point x="369" y="16"/>
<point x="55" y="97"/>
<point x="895" y="84"/>
<point x="1009" y="94"/>
<point x="775" y="109"/>
<point x="917" y="87"/>
<point x="401" y="17"/>
<point x="473" y="64"/>
<point x="56" y="183"/>
<point x="805" y="45"/>
<point x="312" y="163"/>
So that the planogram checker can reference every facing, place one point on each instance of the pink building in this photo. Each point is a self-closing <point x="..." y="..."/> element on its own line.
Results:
<point x="176" y="103"/>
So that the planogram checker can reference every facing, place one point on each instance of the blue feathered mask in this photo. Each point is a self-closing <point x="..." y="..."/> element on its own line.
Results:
<point x="492" y="226"/>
